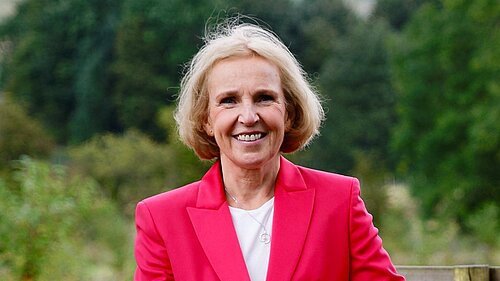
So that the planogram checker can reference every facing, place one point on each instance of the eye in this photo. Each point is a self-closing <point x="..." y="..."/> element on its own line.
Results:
<point x="227" y="100"/>
<point x="265" y="98"/>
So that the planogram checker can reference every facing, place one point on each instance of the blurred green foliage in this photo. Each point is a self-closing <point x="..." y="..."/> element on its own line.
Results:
<point x="153" y="40"/>
<point x="398" y="12"/>
<point x="412" y="239"/>
<point x="355" y="80"/>
<point x="20" y="135"/>
<point x="446" y="67"/>
<point x="187" y="167"/>
<point x="59" y="65"/>
<point x="132" y="167"/>
<point x="411" y="93"/>
<point x="128" y="167"/>
<point x="54" y="225"/>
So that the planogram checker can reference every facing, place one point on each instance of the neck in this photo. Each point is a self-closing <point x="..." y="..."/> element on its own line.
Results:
<point x="251" y="187"/>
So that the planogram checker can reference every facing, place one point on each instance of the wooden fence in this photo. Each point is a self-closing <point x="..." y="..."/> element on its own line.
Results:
<point x="450" y="273"/>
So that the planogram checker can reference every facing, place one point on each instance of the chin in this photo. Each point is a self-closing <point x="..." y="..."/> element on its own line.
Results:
<point x="252" y="162"/>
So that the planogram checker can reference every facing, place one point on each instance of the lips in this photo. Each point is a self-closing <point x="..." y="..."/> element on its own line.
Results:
<point x="249" y="137"/>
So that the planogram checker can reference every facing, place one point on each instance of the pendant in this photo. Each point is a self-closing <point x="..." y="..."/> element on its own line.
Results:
<point x="265" y="238"/>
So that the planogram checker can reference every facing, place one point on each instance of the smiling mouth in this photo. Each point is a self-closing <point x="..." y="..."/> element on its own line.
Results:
<point x="249" y="137"/>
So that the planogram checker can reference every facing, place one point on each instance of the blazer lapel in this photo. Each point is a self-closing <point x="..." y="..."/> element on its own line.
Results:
<point x="214" y="228"/>
<point x="293" y="206"/>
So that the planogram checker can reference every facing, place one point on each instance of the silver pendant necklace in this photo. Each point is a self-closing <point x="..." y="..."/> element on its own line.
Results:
<point x="264" y="237"/>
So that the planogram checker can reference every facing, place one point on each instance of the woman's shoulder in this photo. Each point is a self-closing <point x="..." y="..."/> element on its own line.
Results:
<point x="328" y="184"/>
<point x="314" y="175"/>
<point x="180" y="197"/>
<point x="331" y="189"/>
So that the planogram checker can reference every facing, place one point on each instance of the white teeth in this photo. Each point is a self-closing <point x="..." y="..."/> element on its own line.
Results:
<point x="251" y="137"/>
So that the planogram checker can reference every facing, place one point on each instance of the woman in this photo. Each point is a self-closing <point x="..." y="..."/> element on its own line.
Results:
<point x="254" y="215"/>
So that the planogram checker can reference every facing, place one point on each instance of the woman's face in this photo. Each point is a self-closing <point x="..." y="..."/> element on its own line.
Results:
<point x="246" y="111"/>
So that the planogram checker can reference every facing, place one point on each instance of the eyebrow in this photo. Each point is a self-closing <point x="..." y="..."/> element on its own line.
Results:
<point x="265" y="91"/>
<point x="257" y="92"/>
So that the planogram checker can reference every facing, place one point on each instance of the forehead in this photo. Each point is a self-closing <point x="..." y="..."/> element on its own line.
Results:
<point x="243" y="71"/>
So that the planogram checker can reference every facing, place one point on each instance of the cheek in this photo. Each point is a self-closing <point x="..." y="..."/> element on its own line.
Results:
<point x="220" y="120"/>
<point x="278" y="117"/>
<point x="212" y="116"/>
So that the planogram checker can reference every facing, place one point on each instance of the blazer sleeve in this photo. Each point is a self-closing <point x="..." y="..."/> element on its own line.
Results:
<point x="150" y="252"/>
<point x="369" y="260"/>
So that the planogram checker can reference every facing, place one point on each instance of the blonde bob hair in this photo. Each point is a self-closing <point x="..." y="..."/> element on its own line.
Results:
<point x="303" y="105"/>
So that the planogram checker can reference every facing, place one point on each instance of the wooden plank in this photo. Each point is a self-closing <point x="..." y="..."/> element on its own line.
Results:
<point x="427" y="273"/>
<point x="450" y="273"/>
<point x="472" y="273"/>
<point x="495" y="273"/>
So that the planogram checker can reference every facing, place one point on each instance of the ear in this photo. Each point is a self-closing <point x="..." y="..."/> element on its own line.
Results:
<point x="208" y="129"/>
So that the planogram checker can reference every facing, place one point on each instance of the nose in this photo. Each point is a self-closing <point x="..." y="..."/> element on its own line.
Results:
<point x="248" y="115"/>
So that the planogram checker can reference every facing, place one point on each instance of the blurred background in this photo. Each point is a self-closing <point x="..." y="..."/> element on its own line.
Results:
<point x="87" y="90"/>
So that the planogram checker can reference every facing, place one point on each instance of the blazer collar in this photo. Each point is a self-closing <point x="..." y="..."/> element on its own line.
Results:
<point x="293" y="206"/>
<point x="212" y="222"/>
<point x="214" y="228"/>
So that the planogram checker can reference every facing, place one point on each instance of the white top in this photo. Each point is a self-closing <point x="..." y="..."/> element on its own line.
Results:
<point x="255" y="252"/>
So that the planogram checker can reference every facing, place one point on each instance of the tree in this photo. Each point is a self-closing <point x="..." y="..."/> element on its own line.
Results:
<point x="355" y="81"/>
<point x="321" y="24"/>
<point x="446" y="66"/>
<point x="280" y="16"/>
<point x="58" y="64"/>
<point x="154" y="40"/>
<point x="398" y="12"/>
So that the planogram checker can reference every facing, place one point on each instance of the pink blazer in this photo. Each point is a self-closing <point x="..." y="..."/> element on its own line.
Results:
<point x="321" y="231"/>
